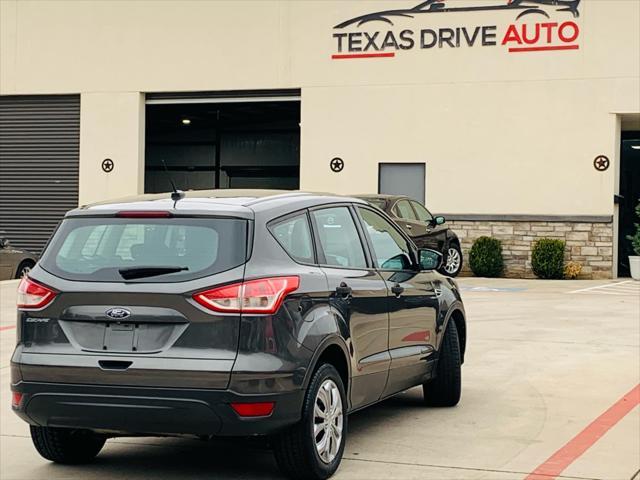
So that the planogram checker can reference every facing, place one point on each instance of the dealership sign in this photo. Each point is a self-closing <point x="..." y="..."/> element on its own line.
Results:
<point x="538" y="26"/>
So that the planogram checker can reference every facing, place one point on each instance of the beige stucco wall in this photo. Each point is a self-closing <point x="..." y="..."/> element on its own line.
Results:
<point x="506" y="133"/>
<point x="111" y="127"/>
<point x="519" y="147"/>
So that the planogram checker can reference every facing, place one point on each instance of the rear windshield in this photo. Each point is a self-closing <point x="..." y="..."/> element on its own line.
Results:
<point x="377" y="202"/>
<point x="101" y="249"/>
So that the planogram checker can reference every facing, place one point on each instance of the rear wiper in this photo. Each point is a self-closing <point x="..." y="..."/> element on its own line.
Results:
<point x="141" y="272"/>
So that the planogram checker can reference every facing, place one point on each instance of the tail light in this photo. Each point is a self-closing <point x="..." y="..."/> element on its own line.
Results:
<point x="143" y="214"/>
<point x="34" y="295"/>
<point x="260" y="409"/>
<point x="264" y="295"/>
<point x="16" y="399"/>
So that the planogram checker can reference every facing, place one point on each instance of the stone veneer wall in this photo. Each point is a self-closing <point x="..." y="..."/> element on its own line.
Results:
<point x="590" y="244"/>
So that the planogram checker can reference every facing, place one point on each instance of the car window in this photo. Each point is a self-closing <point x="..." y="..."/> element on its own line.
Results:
<point x="339" y="238"/>
<point x="403" y="210"/>
<point x="96" y="249"/>
<point x="422" y="213"/>
<point x="294" y="235"/>
<point x="390" y="250"/>
<point x="377" y="202"/>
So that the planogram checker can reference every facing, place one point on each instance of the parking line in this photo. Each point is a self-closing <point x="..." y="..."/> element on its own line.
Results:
<point x="579" y="444"/>
<point x="617" y="292"/>
<point x="7" y="327"/>
<point x="606" y="285"/>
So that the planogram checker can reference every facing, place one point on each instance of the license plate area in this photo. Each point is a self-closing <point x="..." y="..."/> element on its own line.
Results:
<point x="120" y="337"/>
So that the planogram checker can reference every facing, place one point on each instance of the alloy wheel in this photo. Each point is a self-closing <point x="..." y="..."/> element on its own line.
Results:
<point x="328" y="421"/>
<point x="453" y="261"/>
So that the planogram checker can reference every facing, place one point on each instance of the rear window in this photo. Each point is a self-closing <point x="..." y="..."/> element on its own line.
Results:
<point x="294" y="235"/>
<point x="377" y="202"/>
<point x="339" y="238"/>
<point x="99" y="249"/>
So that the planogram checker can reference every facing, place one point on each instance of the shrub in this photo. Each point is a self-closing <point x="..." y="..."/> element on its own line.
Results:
<point x="485" y="257"/>
<point x="635" y="239"/>
<point x="572" y="270"/>
<point x="547" y="258"/>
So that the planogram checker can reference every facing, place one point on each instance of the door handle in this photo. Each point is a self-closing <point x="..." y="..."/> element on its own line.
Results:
<point x="397" y="289"/>
<point x="344" y="290"/>
<point x="409" y="227"/>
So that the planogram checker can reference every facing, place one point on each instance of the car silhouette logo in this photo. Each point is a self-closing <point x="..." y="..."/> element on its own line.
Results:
<point x="522" y="7"/>
<point x="118" y="313"/>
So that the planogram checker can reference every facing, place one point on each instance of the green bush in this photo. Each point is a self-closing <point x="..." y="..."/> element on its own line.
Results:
<point x="485" y="257"/>
<point x="547" y="258"/>
<point x="635" y="239"/>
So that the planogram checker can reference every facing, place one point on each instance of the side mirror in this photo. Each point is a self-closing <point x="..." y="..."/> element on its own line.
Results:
<point x="429" y="259"/>
<point x="4" y="242"/>
<point x="439" y="220"/>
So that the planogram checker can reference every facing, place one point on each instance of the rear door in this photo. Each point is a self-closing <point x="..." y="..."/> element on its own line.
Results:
<point x="124" y="312"/>
<point x="409" y="222"/>
<point x="435" y="236"/>
<point x="413" y="305"/>
<point x="359" y="297"/>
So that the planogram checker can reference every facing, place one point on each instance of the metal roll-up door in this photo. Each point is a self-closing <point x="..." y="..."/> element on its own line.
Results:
<point x="228" y="96"/>
<point x="39" y="157"/>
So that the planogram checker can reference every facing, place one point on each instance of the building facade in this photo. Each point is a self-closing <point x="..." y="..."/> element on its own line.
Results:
<point x="522" y="115"/>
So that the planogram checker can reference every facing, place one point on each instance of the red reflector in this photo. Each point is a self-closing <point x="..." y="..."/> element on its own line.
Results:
<point x="263" y="295"/>
<point x="33" y="295"/>
<point x="16" y="398"/>
<point x="261" y="409"/>
<point x="143" y="214"/>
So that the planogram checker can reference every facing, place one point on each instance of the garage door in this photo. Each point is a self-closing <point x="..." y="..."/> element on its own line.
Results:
<point x="241" y="139"/>
<point x="39" y="153"/>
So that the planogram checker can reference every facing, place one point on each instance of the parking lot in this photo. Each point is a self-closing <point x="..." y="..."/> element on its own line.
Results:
<point x="550" y="385"/>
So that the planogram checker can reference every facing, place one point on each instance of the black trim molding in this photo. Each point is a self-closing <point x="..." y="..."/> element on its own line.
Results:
<point x="473" y="217"/>
<point x="293" y="92"/>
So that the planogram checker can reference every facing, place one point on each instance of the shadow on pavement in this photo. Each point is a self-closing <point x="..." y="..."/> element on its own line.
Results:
<point x="186" y="459"/>
<point x="376" y="419"/>
<point x="170" y="459"/>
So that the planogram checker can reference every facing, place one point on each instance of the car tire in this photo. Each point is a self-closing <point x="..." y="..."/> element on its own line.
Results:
<point x="445" y="389"/>
<point x="296" y="449"/>
<point x="65" y="445"/>
<point x="23" y="269"/>
<point x="452" y="261"/>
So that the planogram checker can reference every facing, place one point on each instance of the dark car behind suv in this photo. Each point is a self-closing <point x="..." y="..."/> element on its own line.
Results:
<point x="14" y="262"/>
<point x="235" y="313"/>
<point x="426" y="230"/>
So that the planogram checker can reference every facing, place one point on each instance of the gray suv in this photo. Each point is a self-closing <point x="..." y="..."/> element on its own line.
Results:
<point x="229" y="313"/>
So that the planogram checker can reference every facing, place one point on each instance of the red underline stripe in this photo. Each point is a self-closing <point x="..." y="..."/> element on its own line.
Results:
<point x="362" y="55"/>
<point x="7" y="327"/>
<point x="579" y="444"/>
<point x="543" y="49"/>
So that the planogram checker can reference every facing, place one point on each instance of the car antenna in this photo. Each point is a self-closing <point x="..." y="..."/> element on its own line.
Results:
<point x="175" y="194"/>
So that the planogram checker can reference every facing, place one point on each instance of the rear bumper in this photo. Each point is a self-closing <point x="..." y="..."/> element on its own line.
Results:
<point x="151" y="411"/>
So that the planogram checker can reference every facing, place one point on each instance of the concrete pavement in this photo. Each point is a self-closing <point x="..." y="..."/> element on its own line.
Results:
<point x="544" y="360"/>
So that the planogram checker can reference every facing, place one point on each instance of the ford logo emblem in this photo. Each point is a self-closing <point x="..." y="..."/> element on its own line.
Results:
<point x="118" y="313"/>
